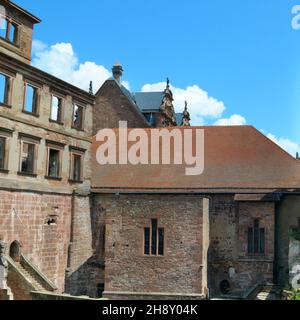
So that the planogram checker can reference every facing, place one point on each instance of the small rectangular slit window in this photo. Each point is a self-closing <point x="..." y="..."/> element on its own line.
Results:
<point x="154" y="239"/>
<point x="2" y="152"/>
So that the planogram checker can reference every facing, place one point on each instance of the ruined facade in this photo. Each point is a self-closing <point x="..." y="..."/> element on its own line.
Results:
<point x="45" y="172"/>
<point x="131" y="231"/>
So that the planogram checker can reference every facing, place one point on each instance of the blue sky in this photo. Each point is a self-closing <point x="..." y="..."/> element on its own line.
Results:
<point x="244" y="55"/>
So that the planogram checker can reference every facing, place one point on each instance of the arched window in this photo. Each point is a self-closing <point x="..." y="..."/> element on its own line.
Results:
<point x="15" y="251"/>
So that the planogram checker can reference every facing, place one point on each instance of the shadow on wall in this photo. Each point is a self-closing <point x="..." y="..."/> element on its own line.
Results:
<point x="87" y="280"/>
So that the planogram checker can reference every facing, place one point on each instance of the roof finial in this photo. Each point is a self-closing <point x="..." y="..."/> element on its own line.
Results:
<point x="168" y="83"/>
<point x="186" y="116"/>
<point x="91" y="88"/>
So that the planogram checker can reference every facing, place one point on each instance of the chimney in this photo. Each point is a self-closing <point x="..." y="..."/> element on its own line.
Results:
<point x="117" y="72"/>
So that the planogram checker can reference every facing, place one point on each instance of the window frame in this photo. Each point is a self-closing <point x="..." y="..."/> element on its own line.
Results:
<point x="37" y="98"/>
<point x="16" y="37"/>
<point x="158" y="229"/>
<point x="80" y="105"/>
<point x="7" y="89"/>
<point x="25" y="138"/>
<point x="53" y="145"/>
<point x="76" y="152"/>
<point x="260" y="243"/>
<point x="7" y="135"/>
<point x="62" y="107"/>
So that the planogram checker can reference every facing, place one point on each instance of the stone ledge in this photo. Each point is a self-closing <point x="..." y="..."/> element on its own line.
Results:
<point x="153" y="295"/>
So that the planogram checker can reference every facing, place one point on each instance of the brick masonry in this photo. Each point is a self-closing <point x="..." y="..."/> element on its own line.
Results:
<point x="126" y="266"/>
<point x="112" y="106"/>
<point x="128" y="270"/>
<point x="229" y="221"/>
<point x="23" y="217"/>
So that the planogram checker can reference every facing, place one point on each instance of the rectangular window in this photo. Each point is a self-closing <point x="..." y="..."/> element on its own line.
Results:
<point x="76" y="167"/>
<point x="3" y="27"/>
<point x="147" y="241"/>
<point x="13" y="33"/>
<point x="4" y="88"/>
<point x="2" y="152"/>
<point x="56" y="109"/>
<point x="28" y="158"/>
<point x="31" y="99"/>
<point x="161" y="241"/>
<point x="9" y="30"/>
<point x="154" y="239"/>
<point x="77" y="117"/>
<point x="54" y="163"/>
<point x="256" y="239"/>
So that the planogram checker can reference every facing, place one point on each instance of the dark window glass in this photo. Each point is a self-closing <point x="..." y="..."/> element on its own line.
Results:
<point x="31" y="99"/>
<point x="154" y="237"/>
<point x="256" y="238"/>
<point x="28" y="158"/>
<point x="76" y="167"/>
<point x="161" y="241"/>
<point x="147" y="241"/>
<point x="262" y="240"/>
<point x="250" y="240"/>
<point x="53" y="168"/>
<point x="2" y="152"/>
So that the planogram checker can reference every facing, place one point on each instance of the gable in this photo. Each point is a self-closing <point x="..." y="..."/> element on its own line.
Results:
<point x="113" y="105"/>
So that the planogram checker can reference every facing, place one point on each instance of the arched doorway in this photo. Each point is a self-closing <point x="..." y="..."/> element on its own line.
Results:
<point x="15" y="251"/>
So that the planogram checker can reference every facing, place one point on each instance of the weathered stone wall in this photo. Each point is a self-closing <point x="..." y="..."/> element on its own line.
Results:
<point x="256" y="268"/>
<point x="21" y="51"/>
<point x="112" y="106"/>
<point x="126" y="266"/>
<point x="288" y="216"/>
<point x="23" y="218"/>
<point x="20" y="288"/>
<point x="229" y="223"/>
<point x="80" y="250"/>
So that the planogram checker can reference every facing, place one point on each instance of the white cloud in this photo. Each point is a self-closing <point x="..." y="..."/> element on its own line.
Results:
<point x="285" y="143"/>
<point x="234" y="120"/>
<point x="61" y="61"/>
<point x="200" y="104"/>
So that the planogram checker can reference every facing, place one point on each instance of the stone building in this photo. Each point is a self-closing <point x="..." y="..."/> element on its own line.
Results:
<point x="45" y="171"/>
<point x="224" y="231"/>
<point x="127" y="231"/>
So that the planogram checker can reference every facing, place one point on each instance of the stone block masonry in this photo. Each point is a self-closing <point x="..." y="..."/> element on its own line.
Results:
<point x="40" y="223"/>
<point x="128" y="269"/>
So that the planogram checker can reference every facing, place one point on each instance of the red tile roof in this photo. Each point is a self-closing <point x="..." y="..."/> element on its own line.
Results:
<point x="236" y="158"/>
